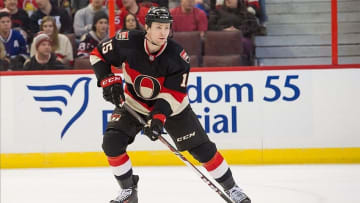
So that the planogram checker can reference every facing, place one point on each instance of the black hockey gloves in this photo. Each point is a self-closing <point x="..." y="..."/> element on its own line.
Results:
<point x="155" y="126"/>
<point x="113" y="89"/>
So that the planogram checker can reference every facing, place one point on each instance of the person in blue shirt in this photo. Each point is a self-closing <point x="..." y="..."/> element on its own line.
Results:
<point x="15" y="44"/>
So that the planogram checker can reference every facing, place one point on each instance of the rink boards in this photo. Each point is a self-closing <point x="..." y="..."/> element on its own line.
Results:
<point x="303" y="114"/>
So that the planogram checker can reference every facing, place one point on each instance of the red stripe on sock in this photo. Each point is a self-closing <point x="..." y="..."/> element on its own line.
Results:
<point x="214" y="162"/>
<point x="118" y="160"/>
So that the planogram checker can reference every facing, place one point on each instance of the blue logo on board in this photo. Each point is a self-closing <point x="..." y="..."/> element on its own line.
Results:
<point x="50" y="102"/>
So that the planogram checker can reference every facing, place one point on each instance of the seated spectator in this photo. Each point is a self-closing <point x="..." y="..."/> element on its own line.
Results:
<point x="188" y="18"/>
<point x="130" y="6"/>
<point x="234" y="15"/>
<point x="61" y="16"/>
<point x="4" y="62"/>
<point x="43" y="59"/>
<point x="99" y="32"/>
<point x="20" y="19"/>
<point x="131" y="23"/>
<point x="60" y="43"/>
<point x="84" y="17"/>
<point x="15" y="44"/>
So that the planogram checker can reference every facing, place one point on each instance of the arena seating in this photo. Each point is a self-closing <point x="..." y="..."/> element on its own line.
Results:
<point x="191" y="41"/>
<point x="223" y="48"/>
<point x="220" y="48"/>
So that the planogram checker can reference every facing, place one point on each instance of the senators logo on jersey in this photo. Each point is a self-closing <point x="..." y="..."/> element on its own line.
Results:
<point x="146" y="87"/>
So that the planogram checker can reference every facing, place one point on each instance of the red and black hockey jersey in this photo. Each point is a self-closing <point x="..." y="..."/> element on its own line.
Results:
<point x="154" y="82"/>
<point x="88" y="42"/>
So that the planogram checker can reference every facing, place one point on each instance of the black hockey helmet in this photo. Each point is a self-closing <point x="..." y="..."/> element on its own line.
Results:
<point x="158" y="14"/>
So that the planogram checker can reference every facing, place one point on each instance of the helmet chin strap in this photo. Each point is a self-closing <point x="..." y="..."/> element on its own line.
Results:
<point x="152" y="42"/>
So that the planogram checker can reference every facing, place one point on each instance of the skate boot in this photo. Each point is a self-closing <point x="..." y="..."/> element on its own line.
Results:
<point x="128" y="193"/>
<point x="237" y="195"/>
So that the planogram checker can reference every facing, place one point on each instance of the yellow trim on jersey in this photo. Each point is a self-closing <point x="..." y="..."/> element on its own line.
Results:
<point x="167" y="158"/>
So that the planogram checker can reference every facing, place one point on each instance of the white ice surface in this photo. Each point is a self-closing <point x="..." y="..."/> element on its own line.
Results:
<point x="264" y="184"/>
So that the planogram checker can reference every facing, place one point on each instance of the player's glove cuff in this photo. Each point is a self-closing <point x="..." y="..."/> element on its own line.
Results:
<point x="113" y="89"/>
<point x="110" y="81"/>
<point x="160" y="117"/>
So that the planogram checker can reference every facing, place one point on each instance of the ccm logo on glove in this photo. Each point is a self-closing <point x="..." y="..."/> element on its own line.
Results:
<point x="113" y="89"/>
<point x="110" y="80"/>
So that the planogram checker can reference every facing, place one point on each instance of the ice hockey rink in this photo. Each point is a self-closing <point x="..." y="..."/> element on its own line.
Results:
<point x="264" y="184"/>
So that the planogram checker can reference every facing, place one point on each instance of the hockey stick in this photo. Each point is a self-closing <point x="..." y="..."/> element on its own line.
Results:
<point x="180" y="156"/>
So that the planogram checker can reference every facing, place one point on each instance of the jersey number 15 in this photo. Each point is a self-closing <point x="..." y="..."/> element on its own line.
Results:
<point x="107" y="46"/>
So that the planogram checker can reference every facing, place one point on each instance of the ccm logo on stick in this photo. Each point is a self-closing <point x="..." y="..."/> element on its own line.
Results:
<point x="186" y="137"/>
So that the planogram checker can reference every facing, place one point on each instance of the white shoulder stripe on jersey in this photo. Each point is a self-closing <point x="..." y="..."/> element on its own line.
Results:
<point x="94" y="59"/>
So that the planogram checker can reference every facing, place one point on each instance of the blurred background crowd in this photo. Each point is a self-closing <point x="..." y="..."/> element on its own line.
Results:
<point x="60" y="34"/>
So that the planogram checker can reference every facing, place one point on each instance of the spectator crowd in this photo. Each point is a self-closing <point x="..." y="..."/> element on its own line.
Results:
<point x="52" y="34"/>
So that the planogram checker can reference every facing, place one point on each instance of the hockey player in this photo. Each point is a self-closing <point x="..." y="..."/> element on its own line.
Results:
<point x="155" y="70"/>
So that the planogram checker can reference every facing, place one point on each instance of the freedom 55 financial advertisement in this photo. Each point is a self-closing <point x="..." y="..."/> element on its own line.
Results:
<point x="240" y="110"/>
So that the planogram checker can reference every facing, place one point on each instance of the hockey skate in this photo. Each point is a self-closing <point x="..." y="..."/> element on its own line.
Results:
<point x="237" y="195"/>
<point x="128" y="194"/>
